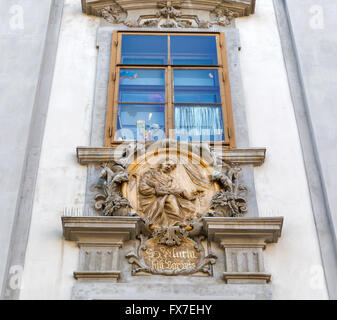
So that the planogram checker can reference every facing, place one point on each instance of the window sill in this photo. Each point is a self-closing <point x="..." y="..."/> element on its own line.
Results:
<point x="247" y="156"/>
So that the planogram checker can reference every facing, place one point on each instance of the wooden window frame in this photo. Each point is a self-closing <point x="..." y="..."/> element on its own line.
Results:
<point x="115" y="66"/>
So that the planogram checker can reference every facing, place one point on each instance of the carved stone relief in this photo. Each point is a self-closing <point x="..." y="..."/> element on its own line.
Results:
<point x="171" y="189"/>
<point x="114" y="14"/>
<point x="110" y="201"/>
<point x="228" y="202"/>
<point x="223" y="16"/>
<point x="171" y="14"/>
<point x="155" y="257"/>
<point x="182" y="205"/>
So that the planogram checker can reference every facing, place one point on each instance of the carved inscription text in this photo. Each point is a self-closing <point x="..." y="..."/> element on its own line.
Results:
<point x="161" y="257"/>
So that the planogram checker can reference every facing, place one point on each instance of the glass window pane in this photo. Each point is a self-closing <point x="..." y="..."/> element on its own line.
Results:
<point x="144" y="49"/>
<point x="142" y="85"/>
<point x="194" y="50"/>
<point x="198" y="123"/>
<point x="196" y="86"/>
<point x="141" y="122"/>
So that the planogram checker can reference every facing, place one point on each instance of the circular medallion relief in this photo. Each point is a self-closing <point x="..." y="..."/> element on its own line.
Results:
<point x="169" y="187"/>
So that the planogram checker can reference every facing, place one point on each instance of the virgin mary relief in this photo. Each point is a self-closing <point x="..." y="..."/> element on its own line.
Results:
<point x="172" y="191"/>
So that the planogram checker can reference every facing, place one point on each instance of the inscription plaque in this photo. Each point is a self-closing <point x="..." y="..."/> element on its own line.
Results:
<point x="179" y="258"/>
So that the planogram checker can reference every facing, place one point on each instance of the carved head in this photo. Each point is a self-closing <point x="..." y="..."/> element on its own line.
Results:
<point x="167" y="166"/>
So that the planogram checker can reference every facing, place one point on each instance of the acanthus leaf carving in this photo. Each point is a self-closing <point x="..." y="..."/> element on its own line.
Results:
<point x="170" y="235"/>
<point x="168" y="15"/>
<point x="114" y="13"/>
<point x="228" y="202"/>
<point x="110" y="201"/>
<point x="223" y="16"/>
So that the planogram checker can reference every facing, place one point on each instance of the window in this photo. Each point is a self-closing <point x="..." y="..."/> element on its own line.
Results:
<point x="169" y="85"/>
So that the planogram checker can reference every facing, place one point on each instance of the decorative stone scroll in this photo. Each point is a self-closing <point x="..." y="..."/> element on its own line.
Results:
<point x="110" y="200"/>
<point x="170" y="14"/>
<point x="186" y="258"/>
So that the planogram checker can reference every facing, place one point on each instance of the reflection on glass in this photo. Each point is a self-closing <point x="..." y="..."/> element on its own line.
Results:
<point x="194" y="50"/>
<point x="140" y="122"/>
<point x="144" y="50"/>
<point x="142" y="85"/>
<point x="198" y="123"/>
<point x="196" y="86"/>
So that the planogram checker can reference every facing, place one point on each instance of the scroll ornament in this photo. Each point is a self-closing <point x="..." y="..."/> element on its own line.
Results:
<point x="168" y="15"/>
<point x="110" y="201"/>
<point x="228" y="202"/>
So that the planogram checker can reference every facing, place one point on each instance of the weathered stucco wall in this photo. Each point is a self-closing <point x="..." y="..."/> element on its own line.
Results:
<point x="23" y="27"/>
<point x="61" y="181"/>
<point x="281" y="184"/>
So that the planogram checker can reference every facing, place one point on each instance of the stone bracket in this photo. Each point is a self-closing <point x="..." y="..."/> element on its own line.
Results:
<point x="243" y="241"/>
<point x="99" y="240"/>
<point x="92" y="229"/>
<point x="243" y="231"/>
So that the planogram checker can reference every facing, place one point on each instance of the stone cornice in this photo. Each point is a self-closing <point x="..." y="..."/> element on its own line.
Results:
<point x="169" y="14"/>
<point x="112" y="229"/>
<point x="242" y="7"/>
<point x="249" y="156"/>
<point x="238" y="231"/>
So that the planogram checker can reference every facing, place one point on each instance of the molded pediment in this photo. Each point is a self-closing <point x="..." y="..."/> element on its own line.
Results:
<point x="240" y="7"/>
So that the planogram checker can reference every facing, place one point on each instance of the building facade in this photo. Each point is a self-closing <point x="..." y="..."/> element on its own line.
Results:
<point x="168" y="149"/>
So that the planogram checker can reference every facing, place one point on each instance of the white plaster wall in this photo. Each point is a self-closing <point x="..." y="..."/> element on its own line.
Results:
<point x="61" y="182"/>
<point x="281" y="184"/>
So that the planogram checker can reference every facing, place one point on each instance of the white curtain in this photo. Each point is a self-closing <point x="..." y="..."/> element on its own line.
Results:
<point x="199" y="121"/>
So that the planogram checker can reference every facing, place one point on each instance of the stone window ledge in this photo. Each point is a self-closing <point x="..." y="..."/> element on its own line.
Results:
<point x="249" y="156"/>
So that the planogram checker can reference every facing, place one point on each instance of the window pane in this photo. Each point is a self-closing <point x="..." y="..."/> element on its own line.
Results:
<point x="198" y="123"/>
<point x="142" y="85"/>
<point x="196" y="86"/>
<point x="194" y="50"/>
<point x="140" y="122"/>
<point x="144" y="50"/>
